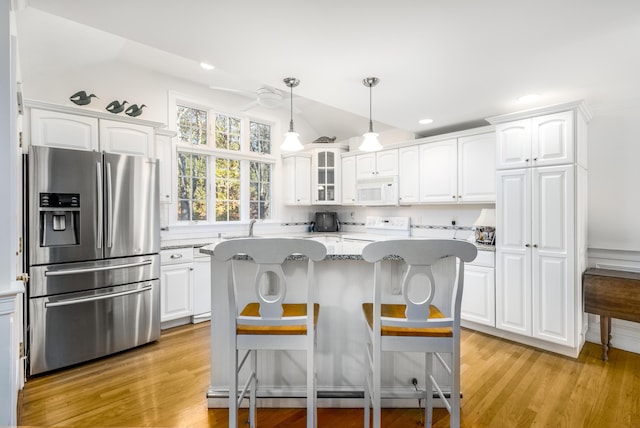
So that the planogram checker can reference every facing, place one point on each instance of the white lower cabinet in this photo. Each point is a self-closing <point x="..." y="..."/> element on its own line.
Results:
<point x="176" y="284"/>
<point x="478" y="296"/>
<point x="201" y="286"/>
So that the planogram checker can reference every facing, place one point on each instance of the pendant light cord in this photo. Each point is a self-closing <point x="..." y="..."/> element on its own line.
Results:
<point x="370" y="111"/>
<point x="291" y="99"/>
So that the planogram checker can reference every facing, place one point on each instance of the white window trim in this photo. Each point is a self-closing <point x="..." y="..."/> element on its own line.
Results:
<point x="245" y="156"/>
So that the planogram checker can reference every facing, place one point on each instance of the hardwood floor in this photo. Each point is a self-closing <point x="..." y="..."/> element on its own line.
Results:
<point x="504" y="385"/>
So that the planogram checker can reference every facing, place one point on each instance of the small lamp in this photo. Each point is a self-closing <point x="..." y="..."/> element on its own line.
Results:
<point x="291" y="142"/>
<point x="370" y="143"/>
<point x="485" y="226"/>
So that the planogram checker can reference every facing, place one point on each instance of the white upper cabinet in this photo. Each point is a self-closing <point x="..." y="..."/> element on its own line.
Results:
<point x="439" y="171"/>
<point x="552" y="139"/>
<point x="377" y="164"/>
<point x="296" y="179"/>
<point x="476" y="168"/>
<point x="60" y="126"/>
<point x="539" y="141"/>
<point x="126" y="138"/>
<point x="409" y="174"/>
<point x="348" y="180"/>
<point x="63" y="130"/>
<point x="326" y="176"/>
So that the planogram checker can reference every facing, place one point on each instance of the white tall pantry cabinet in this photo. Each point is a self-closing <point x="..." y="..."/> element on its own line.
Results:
<point x="541" y="232"/>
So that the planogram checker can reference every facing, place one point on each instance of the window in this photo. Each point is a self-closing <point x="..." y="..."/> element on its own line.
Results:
<point x="223" y="167"/>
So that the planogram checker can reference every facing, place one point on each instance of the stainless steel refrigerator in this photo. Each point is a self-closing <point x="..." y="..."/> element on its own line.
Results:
<point x="93" y="243"/>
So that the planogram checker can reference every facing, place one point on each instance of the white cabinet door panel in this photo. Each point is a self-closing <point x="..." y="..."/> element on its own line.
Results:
<point x="513" y="144"/>
<point x="201" y="285"/>
<point x="553" y="254"/>
<point x="513" y="251"/>
<point x="478" y="296"/>
<point x="296" y="180"/>
<point x="552" y="139"/>
<point x="387" y="162"/>
<point x="176" y="299"/>
<point x="439" y="172"/>
<point x="62" y="130"/>
<point x="513" y="291"/>
<point x="551" y="300"/>
<point x="126" y="138"/>
<point x="476" y="168"/>
<point x="409" y="174"/>
<point x="366" y="166"/>
<point x="348" y="180"/>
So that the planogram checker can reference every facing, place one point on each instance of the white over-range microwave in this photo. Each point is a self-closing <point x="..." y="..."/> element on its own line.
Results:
<point x="377" y="191"/>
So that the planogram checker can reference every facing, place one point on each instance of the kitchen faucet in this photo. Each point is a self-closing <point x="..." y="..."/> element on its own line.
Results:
<point x="251" y="223"/>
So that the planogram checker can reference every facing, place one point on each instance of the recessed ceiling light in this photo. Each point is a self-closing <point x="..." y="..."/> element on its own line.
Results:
<point x="529" y="98"/>
<point x="425" y="121"/>
<point x="206" y="66"/>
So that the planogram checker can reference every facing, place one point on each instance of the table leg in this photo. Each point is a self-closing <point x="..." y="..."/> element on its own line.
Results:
<point x="605" y="335"/>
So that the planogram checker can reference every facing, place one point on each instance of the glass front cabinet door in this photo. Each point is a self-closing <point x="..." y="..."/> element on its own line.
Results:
<point x="326" y="185"/>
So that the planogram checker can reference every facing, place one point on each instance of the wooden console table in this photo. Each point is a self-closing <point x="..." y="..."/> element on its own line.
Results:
<point x="611" y="294"/>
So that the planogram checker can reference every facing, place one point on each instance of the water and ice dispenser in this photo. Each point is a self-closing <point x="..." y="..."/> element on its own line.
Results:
<point x="59" y="219"/>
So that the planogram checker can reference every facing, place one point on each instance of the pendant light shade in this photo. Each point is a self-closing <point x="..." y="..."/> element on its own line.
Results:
<point x="370" y="143"/>
<point x="291" y="142"/>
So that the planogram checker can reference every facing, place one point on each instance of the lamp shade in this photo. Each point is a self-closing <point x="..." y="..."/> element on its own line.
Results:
<point x="370" y="143"/>
<point x="487" y="218"/>
<point x="291" y="142"/>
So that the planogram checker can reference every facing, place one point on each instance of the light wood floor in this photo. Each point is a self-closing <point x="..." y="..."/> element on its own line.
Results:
<point x="504" y="385"/>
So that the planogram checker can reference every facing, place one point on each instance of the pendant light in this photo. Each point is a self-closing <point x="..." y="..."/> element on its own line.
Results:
<point x="291" y="142"/>
<point x="370" y="143"/>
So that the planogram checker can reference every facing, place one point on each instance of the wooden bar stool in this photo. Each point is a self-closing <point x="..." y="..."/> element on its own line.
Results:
<point x="271" y="322"/>
<point x="415" y="326"/>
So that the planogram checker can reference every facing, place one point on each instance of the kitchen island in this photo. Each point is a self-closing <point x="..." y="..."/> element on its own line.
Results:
<point x="343" y="280"/>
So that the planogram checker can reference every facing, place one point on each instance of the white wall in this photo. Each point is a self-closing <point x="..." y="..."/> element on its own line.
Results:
<point x="614" y="179"/>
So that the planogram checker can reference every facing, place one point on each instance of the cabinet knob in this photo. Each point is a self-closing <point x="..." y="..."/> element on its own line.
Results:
<point x="527" y="245"/>
<point x="535" y="159"/>
<point x="176" y="256"/>
<point x="535" y="245"/>
<point x="526" y="160"/>
<point x="459" y="196"/>
<point x="453" y="196"/>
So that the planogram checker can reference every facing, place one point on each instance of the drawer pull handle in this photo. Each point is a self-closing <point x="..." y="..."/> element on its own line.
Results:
<point x="176" y="256"/>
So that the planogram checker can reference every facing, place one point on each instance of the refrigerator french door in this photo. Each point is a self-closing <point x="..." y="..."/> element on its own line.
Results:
<point x="94" y="239"/>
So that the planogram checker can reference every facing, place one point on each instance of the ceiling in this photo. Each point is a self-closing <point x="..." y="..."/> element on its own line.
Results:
<point x="456" y="62"/>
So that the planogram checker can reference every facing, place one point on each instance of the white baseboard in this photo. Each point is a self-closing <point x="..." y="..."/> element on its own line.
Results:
<point x="625" y="335"/>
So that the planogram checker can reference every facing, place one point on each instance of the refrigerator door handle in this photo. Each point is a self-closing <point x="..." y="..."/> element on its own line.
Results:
<point x="100" y="207"/>
<point x="96" y="269"/>
<point x="95" y="298"/>
<point x="109" y="207"/>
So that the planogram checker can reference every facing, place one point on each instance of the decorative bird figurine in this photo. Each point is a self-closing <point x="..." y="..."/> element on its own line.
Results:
<point x="133" y="110"/>
<point x="81" y="98"/>
<point x="116" y="106"/>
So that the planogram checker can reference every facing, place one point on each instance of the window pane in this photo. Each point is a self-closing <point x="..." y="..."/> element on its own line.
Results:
<point x="260" y="137"/>
<point x="192" y="187"/>
<point x="227" y="132"/>
<point x="192" y="125"/>
<point x="330" y="157"/>
<point x="227" y="190"/>
<point x="260" y="190"/>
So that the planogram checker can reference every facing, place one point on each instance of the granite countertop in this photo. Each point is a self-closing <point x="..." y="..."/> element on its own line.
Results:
<point x="199" y="243"/>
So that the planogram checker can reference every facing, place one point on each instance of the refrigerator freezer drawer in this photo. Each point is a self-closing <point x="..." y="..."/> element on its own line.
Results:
<point x="74" y="277"/>
<point x="76" y="327"/>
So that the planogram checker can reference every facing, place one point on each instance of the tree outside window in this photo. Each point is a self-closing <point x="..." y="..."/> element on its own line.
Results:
<point x="192" y="125"/>
<point x="227" y="189"/>
<point x="259" y="137"/>
<point x="227" y="132"/>
<point x="192" y="187"/>
<point x="260" y="190"/>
